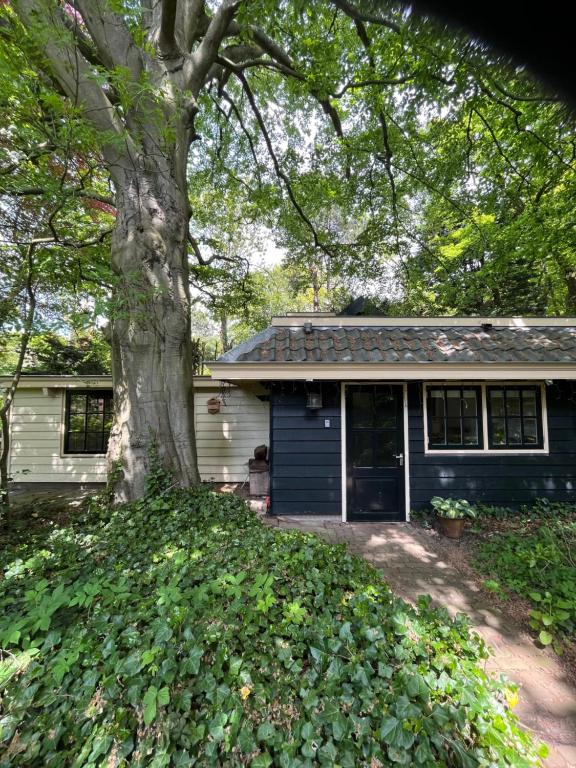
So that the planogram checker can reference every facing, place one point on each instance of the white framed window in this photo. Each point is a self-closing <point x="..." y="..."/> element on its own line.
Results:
<point x="479" y="417"/>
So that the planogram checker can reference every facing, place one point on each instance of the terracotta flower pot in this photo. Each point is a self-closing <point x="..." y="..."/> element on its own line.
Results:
<point x="452" y="528"/>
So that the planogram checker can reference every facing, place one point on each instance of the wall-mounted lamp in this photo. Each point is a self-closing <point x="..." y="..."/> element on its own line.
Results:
<point x="313" y="395"/>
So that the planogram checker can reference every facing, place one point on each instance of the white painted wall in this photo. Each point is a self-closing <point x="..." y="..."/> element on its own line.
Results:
<point x="226" y="440"/>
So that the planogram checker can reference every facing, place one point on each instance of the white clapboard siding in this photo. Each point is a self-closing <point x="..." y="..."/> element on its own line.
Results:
<point x="35" y="451"/>
<point x="225" y="440"/>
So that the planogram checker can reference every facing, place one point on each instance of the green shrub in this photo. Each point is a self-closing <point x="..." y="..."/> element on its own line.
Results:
<point x="539" y="563"/>
<point x="181" y="631"/>
<point x="453" y="509"/>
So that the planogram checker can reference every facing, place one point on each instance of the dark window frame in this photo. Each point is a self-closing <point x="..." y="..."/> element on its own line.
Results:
<point x="479" y="445"/>
<point x="539" y="416"/>
<point x="104" y="433"/>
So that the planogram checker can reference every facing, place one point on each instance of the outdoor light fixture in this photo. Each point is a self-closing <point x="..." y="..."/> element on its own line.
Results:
<point x="313" y="398"/>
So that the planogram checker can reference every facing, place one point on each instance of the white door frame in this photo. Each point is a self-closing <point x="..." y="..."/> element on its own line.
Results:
<point x="343" y="385"/>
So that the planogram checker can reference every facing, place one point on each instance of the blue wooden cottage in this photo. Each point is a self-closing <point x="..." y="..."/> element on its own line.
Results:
<point x="372" y="416"/>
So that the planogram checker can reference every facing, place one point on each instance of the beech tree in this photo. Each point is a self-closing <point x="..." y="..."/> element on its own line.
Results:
<point x="242" y="95"/>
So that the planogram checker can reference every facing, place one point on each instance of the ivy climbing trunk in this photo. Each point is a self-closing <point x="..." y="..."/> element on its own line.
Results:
<point x="150" y="334"/>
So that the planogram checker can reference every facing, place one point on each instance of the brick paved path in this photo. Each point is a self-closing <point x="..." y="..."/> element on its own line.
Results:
<point x="412" y="566"/>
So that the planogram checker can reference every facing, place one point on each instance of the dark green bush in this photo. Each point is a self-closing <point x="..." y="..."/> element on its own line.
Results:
<point x="181" y="631"/>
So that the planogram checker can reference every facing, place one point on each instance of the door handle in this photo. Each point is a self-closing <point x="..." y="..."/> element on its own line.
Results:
<point x="400" y="457"/>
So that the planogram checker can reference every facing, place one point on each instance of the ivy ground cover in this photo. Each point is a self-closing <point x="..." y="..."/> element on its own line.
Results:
<point x="180" y="631"/>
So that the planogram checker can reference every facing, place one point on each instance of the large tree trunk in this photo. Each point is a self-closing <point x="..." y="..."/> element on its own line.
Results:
<point x="151" y="336"/>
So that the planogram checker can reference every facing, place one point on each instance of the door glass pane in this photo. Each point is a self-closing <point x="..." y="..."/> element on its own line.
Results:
<point x="530" y="431"/>
<point x="469" y="402"/>
<point x="529" y="402"/>
<point x="436" y="402"/>
<point x="437" y="434"/>
<point x="385" y="409"/>
<point x="513" y="402"/>
<point x="470" y="431"/>
<point x="453" y="402"/>
<point x="514" y="432"/>
<point x="362" y="409"/>
<point x="498" y="432"/>
<point x="453" y="432"/>
<point x="385" y="449"/>
<point x="497" y="402"/>
<point x="362" y="449"/>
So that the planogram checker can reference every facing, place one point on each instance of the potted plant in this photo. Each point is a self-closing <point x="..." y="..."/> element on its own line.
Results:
<point x="451" y="515"/>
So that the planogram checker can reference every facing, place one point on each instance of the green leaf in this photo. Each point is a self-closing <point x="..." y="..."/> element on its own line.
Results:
<point x="163" y="696"/>
<point x="266" y="732"/>
<point x="392" y="732"/>
<point x="262" y="760"/>
<point x="545" y="637"/>
<point x="149" y="701"/>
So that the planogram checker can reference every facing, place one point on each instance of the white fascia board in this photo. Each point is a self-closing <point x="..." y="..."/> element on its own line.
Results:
<point x="324" y="320"/>
<point x="62" y="381"/>
<point x="391" y="372"/>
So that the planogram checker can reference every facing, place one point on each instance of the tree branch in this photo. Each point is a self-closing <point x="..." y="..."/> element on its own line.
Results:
<point x="198" y="65"/>
<point x="167" y="40"/>
<point x="111" y="36"/>
<point x="355" y="13"/>
<point x="277" y="168"/>
<point x="76" y="78"/>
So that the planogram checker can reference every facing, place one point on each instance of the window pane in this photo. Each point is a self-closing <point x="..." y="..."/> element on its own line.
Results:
<point x="436" y="402"/>
<point x="437" y="435"/>
<point x="469" y="402"/>
<point x="77" y="403"/>
<point x="453" y="402"/>
<point x="514" y="432"/>
<point x="362" y="409"/>
<point x="385" y="449"/>
<point x="497" y="402"/>
<point x="498" y="432"/>
<point x="470" y="431"/>
<point x="453" y="432"/>
<point x="362" y="449"/>
<point x="513" y="402"/>
<point x="530" y="432"/>
<point x="77" y="422"/>
<point x="94" y="422"/>
<point x="75" y="442"/>
<point x="108" y="421"/>
<point x="94" y="442"/>
<point x="96" y="403"/>
<point x="529" y="402"/>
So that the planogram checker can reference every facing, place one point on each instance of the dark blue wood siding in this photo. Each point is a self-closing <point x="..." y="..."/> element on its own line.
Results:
<point x="305" y="457"/>
<point x="506" y="480"/>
